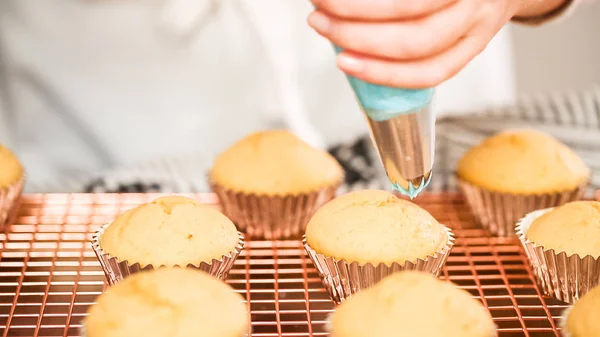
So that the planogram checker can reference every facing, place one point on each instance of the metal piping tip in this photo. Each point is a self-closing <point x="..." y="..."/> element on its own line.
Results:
<point x="413" y="186"/>
<point x="405" y="143"/>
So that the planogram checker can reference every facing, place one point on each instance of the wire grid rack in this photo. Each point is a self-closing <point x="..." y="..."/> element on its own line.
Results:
<point x="49" y="274"/>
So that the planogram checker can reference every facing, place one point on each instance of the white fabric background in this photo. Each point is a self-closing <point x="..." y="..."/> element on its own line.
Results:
<point x="91" y="86"/>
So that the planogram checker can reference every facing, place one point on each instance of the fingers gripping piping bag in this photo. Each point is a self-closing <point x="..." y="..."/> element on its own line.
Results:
<point x="403" y="130"/>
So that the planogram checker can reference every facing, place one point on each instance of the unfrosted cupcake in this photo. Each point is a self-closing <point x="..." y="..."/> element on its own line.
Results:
<point x="170" y="231"/>
<point x="12" y="178"/>
<point x="270" y="183"/>
<point x="359" y="238"/>
<point x="563" y="246"/>
<point x="412" y="304"/>
<point x="583" y="318"/>
<point x="168" y="302"/>
<point x="515" y="172"/>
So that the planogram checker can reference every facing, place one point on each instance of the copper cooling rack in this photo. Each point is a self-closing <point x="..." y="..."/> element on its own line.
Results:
<point x="49" y="274"/>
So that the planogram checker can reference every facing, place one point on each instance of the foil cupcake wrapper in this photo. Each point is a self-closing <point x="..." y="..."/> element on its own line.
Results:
<point x="117" y="270"/>
<point x="342" y="279"/>
<point x="499" y="212"/>
<point x="272" y="217"/>
<point x="9" y="198"/>
<point x="566" y="278"/>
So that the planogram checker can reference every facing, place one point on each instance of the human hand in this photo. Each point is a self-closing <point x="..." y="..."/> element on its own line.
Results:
<point x="414" y="43"/>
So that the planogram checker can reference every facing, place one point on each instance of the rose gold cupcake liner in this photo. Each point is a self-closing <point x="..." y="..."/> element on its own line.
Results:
<point x="342" y="279"/>
<point x="117" y="270"/>
<point x="272" y="217"/>
<point x="9" y="198"/>
<point x="498" y="212"/>
<point x="566" y="278"/>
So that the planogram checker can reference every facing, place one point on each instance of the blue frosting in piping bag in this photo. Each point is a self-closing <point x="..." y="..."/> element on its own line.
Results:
<point x="381" y="103"/>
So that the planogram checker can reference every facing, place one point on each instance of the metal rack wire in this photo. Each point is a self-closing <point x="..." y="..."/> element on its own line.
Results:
<point x="49" y="275"/>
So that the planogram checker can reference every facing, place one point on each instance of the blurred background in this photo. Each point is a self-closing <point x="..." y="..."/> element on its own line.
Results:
<point x="559" y="57"/>
<point x="134" y="96"/>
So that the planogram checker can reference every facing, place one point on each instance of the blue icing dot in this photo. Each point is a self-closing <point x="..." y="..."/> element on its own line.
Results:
<point x="381" y="102"/>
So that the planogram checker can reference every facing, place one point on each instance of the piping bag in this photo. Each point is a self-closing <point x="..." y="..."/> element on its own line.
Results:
<point x="402" y="128"/>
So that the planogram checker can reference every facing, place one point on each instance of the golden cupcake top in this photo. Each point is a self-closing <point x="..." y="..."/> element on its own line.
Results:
<point x="170" y="231"/>
<point x="573" y="228"/>
<point x="172" y="302"/>
<point x="10" y="167"/>
<point x="583" y="319"/>
<point x="275" y="162"/>
<point x="373" y="226"/>
<point x="523" y="162"/>
<point x="414" y="304"/>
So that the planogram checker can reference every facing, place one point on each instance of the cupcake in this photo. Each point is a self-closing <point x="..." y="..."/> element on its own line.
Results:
<point x="516" y="172"/>
<point x="563" y="246"/>
<point x="412" y="304"/>
<point x="168" y="302"/>
<point x="582" y="320"/>
<point x="359" y="238"/>
<point x="270" y="183"/>
<point x="170" y="231"/>
<point x="12" y="178"/>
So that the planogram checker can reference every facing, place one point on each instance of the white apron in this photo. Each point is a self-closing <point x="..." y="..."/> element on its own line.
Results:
<point x="88" y="86"/>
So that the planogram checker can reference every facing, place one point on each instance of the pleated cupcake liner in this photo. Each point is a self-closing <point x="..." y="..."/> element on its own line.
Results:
<point x="342" y="278"/>
<point x="9" y="197"/>
<point x="566" y="278"/>
<point x="272" y="217"/>
<point x="117" y="270"/>
<point x="499" y="212"/>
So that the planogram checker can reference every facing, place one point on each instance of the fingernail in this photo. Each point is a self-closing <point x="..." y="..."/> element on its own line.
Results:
<point x="350" y="63"/>
<point x="319" y="21"/>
